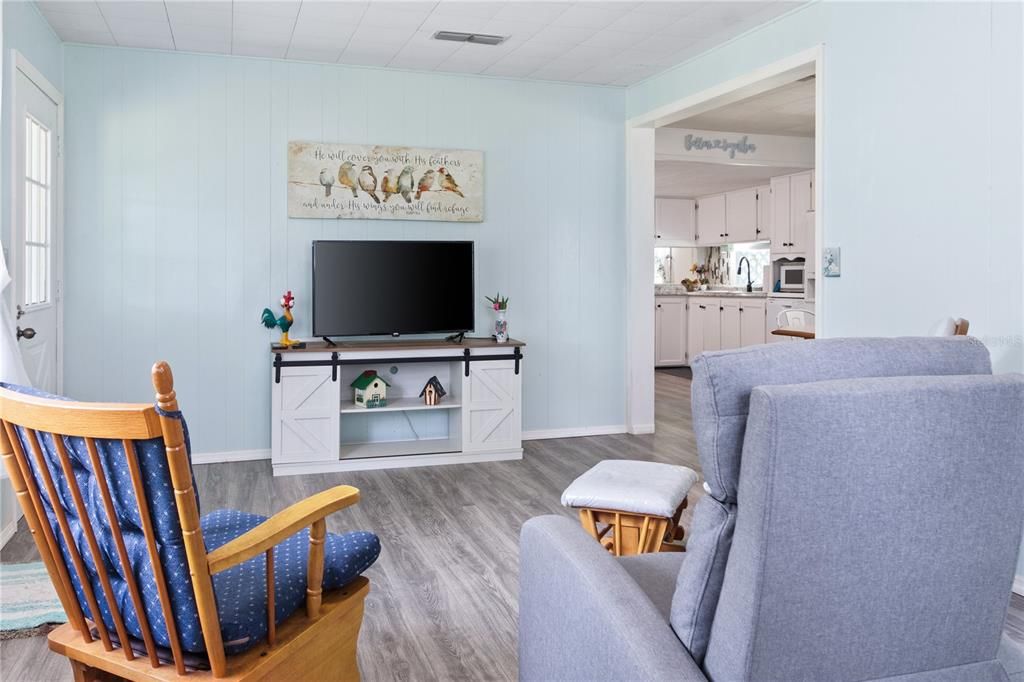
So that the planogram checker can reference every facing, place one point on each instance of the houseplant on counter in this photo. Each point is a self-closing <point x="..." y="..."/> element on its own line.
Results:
<point x="500" y="305"/>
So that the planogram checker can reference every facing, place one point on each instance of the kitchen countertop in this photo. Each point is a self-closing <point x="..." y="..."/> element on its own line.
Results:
<point x="679" y="290"/>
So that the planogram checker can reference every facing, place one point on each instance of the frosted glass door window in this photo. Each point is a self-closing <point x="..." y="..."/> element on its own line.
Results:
<point x="37" y="227"/>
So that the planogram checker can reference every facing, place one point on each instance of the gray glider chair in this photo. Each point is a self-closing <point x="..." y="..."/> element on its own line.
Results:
<point x="871" y="532"/>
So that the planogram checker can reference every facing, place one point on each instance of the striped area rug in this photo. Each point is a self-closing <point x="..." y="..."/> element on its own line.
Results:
<point x="28" y="602"/>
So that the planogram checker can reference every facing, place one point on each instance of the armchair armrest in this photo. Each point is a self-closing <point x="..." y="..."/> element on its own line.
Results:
<point x="582" y="617"/>
<point x="281" y="526"/>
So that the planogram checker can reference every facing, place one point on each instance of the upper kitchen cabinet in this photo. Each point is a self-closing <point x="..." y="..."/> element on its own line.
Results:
<point x="741" y="215"/>
<point x="792" y="196"/>
<point x="764" y="213"/>
<point x="675" y="221"/>
<point x="711" y="214"/>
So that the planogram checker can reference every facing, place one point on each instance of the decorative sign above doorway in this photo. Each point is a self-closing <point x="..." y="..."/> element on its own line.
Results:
<point x="330" y="180"/>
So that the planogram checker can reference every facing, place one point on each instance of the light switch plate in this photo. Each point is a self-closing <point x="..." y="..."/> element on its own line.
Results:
<point x="830" y="261"/>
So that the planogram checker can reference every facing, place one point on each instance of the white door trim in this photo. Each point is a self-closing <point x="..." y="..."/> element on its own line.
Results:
<point x="20" y="63"/>
<point x="640" y="153"/>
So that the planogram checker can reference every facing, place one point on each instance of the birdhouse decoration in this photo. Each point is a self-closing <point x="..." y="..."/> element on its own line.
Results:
<point x="432" y="391"/>
<point x="370" y="390"/>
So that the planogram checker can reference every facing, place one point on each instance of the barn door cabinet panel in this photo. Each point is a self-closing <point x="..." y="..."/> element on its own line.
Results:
<point x="305" y="415"/>
<point x="491" y="417"/>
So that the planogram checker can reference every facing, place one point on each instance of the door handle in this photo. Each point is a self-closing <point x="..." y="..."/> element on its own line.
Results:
<point x="27" y="332"/>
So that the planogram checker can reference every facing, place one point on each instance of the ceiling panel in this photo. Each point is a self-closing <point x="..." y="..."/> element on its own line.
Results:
<point x="606" y="42"/>
<point x="787" y="110"/>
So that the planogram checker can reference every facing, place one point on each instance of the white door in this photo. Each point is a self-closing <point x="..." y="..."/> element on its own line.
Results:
<point x="35" y="244"/>
<point x="730" y="323"/>
<point x="670" y="346"/>
<point x="780" y="215"/>
<point x="711" y="219"/>
<point x="741" y="215"/>
<point x="752" y="325"/>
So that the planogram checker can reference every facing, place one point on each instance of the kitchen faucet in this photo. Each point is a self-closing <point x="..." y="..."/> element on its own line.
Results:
<point x="750" y="276"/>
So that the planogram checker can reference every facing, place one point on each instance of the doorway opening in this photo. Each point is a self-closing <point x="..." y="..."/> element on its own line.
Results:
<point x="724" y="227"/>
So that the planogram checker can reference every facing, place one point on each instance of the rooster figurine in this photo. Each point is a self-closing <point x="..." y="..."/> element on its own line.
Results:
<point x="284" y="322"/>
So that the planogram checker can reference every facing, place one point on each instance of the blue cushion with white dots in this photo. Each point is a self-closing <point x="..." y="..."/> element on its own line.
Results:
<point x="243" y="616"/>
<point x="241" y="590"/>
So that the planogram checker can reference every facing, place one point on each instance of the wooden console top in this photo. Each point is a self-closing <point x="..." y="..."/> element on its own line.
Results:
<point x="399" y="344"/>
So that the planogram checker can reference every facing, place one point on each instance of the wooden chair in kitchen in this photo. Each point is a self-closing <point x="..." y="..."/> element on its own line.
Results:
<point x="795" y="323"/>
<point x="952" y="327"/>
<point x="152" y="590"/>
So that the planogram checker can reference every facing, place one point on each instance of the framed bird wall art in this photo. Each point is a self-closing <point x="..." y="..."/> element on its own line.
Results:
<point x="333" y="180"/>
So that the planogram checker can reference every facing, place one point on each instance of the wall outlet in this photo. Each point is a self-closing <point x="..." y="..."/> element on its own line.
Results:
<point x="830" y="261"/>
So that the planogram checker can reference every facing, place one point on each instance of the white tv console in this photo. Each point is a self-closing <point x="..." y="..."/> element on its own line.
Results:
<point x="317" y="428"/>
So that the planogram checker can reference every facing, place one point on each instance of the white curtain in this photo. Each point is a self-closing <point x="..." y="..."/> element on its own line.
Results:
<point x="12" y="368"/>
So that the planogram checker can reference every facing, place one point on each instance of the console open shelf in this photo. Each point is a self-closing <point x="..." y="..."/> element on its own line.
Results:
<point x="317" y="428"/>
<point x="400" y="405"/>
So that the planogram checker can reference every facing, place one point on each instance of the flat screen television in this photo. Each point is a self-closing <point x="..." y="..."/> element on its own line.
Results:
<point x="366" y="288"/>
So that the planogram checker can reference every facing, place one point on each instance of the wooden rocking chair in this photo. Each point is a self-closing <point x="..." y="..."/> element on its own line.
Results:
<point x="122" y="537"/>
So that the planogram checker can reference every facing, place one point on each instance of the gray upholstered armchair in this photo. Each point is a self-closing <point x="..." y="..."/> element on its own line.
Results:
<point x="871" y="532"/>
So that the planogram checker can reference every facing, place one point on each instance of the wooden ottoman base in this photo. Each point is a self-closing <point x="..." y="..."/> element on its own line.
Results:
<point x="626" y="533"/>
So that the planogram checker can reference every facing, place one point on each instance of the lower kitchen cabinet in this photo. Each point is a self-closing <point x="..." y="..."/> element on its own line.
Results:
<point x="694" y="330"/>
<point x="751" y="324"/>
<point x="710" y="322"/>
<point x="729" y="309"/>
<point x="670" y="331"/>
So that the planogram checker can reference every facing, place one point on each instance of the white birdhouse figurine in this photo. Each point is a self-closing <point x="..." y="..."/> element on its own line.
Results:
<point x="432" y="391"/>
<point x="370" y="390"/>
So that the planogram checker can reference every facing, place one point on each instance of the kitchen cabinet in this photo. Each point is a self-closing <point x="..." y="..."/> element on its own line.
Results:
<point x="792" y="196"/>
<point x="694" y="329"/>
<point x="711" y="324"/>
<point x="764" y="212"/>
<point x="670" y="331"/>
<point x="729" y="323"/>
<point x="675" y="221"/>
<point x="741" y="215"/>
<point x="751" y="322"/>
<point x="711" y="220"/>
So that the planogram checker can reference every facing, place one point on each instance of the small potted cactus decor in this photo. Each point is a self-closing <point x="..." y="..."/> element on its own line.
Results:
<point x="500" y="305"/>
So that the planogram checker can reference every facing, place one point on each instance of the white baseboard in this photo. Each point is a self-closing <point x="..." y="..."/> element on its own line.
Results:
<point x="229" y="456"/>
<point x="1018" y="585"/>
<point x="395" y="462"/>
<point x="9" y="530"/>
<point x="642" y="429"/>
<point x="544" y="434"/>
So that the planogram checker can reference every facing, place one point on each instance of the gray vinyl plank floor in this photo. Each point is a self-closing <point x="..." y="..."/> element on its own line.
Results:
<point x="443" y="594"/>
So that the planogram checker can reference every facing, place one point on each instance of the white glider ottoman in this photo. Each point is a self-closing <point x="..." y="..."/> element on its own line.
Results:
<point x="638" y="503"/>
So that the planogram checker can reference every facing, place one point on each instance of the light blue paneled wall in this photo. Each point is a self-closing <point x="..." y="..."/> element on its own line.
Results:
<point x="922" y="159"/>
<point x="922" y="170"/>
<point x="177" y="235"/>
<point x="24" y="30"/>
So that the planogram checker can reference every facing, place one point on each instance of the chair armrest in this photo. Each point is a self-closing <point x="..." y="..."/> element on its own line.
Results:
<point x="281" y="526"/>
<point x="582" y="617"/>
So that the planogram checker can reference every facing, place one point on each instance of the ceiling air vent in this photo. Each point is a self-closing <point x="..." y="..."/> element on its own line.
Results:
<point x="478" y="38"/>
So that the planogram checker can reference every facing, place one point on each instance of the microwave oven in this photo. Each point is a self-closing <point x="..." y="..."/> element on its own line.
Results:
<point x="791" y="277"/>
